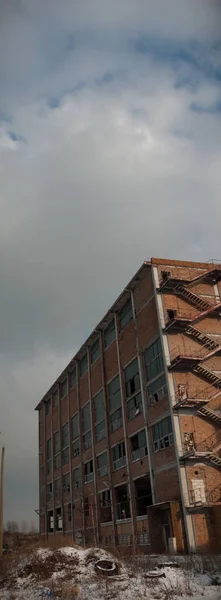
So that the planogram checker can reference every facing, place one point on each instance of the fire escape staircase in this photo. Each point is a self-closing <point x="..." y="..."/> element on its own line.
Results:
<point x="168" y="282"/>
<point x="209" y="449"/>
<point x="209" y="413"/>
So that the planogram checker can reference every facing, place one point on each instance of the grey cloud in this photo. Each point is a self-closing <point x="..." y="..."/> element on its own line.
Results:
<point x="102" y="181"/>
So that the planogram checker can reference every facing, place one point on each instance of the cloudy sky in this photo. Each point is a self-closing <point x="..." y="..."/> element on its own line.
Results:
<point x="110" y="153"/>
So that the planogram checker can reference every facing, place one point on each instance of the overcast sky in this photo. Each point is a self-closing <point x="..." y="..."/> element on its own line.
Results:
<point x="110" y="152"/>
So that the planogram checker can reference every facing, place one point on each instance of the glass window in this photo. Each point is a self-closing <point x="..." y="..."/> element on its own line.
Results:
<point x="157" y="390"/>
<point x="114" y="395"/>
<point x="57" y="461"/>
<point x="132" y="378"/>
<point x="73" y="378"/>
<point x="118" y="451"/>
<point x="64" y="388"/>
<point x="83" y="365"/>
<point x="95" y="350"/>
<point x="74" y="427"/>
<point x="57" y="488"/>
<point x="153" y="357"/>
<point x="86" y="418"/>
<point x="89" y="471"/>
<point x="49" y="490"/>
<point x="65" y="456"/>
<point x="66" y="482"/>
<point x="125" y="314"/>
<point x="139" y="445"/>
<point x="116" y="419"/>
<point x="87" y="441"/>
<point x="48" y="406"/>
<point x="109" y="334"/>
<point x="76" y="448"/>
<point x="65" y="435"/>
<point x="56" y="442"/>
<point x="134" y="406"/>
<point x="102" y="464"/>
<point x="55" y="398"/>
<point x="162" y="434"/>
<point x="49" y="449"/>
<point x="100" y="431"/>
<point x="119" y="456"/>
<point x="77" y="477"/>
<point x="99" y="406"/>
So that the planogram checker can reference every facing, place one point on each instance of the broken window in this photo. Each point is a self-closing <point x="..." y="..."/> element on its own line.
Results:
<point x="162" y="434"/>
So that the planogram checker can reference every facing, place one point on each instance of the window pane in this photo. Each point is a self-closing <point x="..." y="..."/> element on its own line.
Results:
<point x="73" y="378"/>
<point x="74" y="427"/>
<point x="132" y="378"/>
<point x="65" y="435"/>
<point x="116" y="419"/>
<point x="48" y="406"/>
<point x="55" y="398"/>
<point x="77" y="477"/>
<point x="100" y="431"/>
<point x="114" y="395"/>
<point x="157" y="390"/>
<point x="49" y="449"/>
<point x="56" y="442"/>
<point x="95" y="350"/>
<point x="65" y="456"/>
<point x="102" y="460"/>
<point x="64" y="388"/>
<point x="83" y="365"/>
<point x="99" y="406"/>
<point x="76" y="448"/>
<point x="86" y="417"/>
<point x="66" y="482"/>
<point x="125" y="314"/>
<point x="154" y="360"/>
<point x="109" y="334"/>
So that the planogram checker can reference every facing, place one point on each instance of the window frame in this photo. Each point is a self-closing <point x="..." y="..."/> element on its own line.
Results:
<point x="95" y="353"/>
<point x="123" y="314"/>
<point x="107" y="334"/>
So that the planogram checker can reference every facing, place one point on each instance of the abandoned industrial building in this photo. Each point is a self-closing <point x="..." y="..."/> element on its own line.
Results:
<point x="129" y="433"/>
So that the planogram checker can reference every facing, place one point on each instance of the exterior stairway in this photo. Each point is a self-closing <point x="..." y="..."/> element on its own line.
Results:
<point x="203" y="338"/>
<point x="204" y="411"/>
<point x="202" y="305"/>
<point x="212" y="274"/>
<point x="207" y="374"/>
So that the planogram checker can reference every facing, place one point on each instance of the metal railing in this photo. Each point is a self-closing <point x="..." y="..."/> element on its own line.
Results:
<point x="184" y="394"/>
<point x="186" y="353"/>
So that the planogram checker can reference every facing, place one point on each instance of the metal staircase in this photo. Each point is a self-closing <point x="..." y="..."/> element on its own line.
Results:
<point x="207" y="374"/>
<point x="204" y="411"/>
<point x="212" y="274"/>
<point x="202" y="305"/>
<point x="202" y="337"/>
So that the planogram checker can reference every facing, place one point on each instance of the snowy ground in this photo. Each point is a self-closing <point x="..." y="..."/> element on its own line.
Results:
<point x="69" y="573"/>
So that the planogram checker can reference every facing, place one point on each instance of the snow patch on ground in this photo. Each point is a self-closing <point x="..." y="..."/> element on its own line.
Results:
<point x="70" y="573"/>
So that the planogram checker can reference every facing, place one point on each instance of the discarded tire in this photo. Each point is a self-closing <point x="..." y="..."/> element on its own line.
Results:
<point x="106" y="567"/>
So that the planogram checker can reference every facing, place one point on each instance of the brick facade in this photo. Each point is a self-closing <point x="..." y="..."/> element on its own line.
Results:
<point x="129" y="434"/>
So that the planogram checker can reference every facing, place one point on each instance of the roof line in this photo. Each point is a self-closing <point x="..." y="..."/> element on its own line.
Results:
<point x="146" y="263"/>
